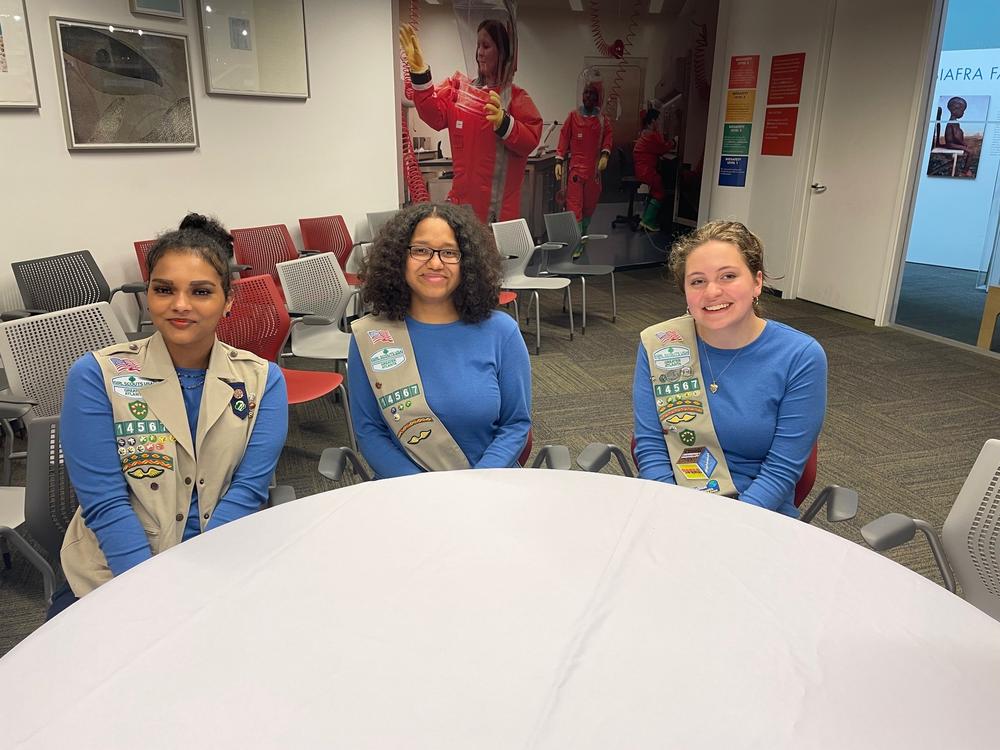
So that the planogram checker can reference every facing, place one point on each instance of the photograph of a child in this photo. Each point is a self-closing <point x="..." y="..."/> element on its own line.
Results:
<point x="957" y="140"/>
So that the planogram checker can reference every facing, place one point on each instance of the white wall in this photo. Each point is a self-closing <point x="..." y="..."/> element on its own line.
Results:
<point x="260" y="161"/>
<point x="774" y="184"/>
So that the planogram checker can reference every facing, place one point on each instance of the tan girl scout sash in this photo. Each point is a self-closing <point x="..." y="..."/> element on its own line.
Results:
<point x="682" y="406"/>
<point x="391" y="366"/>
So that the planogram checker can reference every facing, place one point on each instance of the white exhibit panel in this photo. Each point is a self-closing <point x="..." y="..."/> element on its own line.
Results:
<point x="510" y="608"/>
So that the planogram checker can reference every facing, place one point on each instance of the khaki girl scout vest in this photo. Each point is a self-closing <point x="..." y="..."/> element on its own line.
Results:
<point x="157" y="450"/>
<point x="391" y="366"/>
<point x="682" y="406"/>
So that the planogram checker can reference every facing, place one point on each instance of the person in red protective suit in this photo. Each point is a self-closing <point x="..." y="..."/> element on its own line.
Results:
<point x="649" y="147"/>
<point x="492" y="124"/>
<point x="586" y="136"/>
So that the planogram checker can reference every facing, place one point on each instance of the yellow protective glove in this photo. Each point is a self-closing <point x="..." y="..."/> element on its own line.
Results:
<point x="602" y="163"/>
<point x="494" y="110"/>
<point x="559" y="171"/>
<point x="411" y="48"/>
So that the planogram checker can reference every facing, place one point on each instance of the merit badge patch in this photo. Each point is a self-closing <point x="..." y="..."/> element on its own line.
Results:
<point x="140" y="427"/>
<point x="146" y="465"/>
<point x="381" y="337"/>
<point x="387" y="359"/>
<point x="674" y="389"/>
<point x="710" y="486"/>
<point x="124" y="364"/>
<point x="697" y="463"/>
<point x="130" y="386"/>
<point x="400" y="394"/>
<point x="422" y="435"/>
<point x="139" y="409"/>
<point x="669" y="337"/>
<point x="687" y="437"/>
<point x="672" y="357"/>
<point x="239" y="403"/>
<point x="678" y="410"/>
<point x="412" y="423"/>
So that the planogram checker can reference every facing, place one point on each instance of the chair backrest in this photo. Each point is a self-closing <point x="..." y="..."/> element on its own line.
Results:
<point x="805" y="484"/>
<point x="327" y="234"/>
<point x="38" y="371"/>
<point x="258" y="320"/>
<point x="378" y="219"/>
<point x="971" y="533"/>
<point x="142" y="248"/>
<point x="562" y="227"/>
<point x="59" y="282"/>
<point x="262" y="248"/>
<point x="525" y="452"/>
<point x="49" y="499"/>
<point x="514" y="241"/>
<point x="315" y="284"/>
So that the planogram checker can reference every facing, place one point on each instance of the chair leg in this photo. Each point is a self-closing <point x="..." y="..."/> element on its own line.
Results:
<point x="347" y="415"/>
<point x="614" y="301"/>
<point x="517" y="315"/>
<point x="569" y="294"/>
<point x="32" y="556"/>
<point x="8" y="450"/>
<point x="538" y="322"/>
<point x="583" y="291"/>
<point x="527" y="313"/>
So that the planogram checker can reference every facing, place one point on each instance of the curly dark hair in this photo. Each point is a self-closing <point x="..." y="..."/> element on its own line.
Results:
<point x="384" y="285"/>
<point x="199" y="235"/>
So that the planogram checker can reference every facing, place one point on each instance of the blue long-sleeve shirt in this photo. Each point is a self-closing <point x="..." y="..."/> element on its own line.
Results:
<point x="767" y="413"/>
<point x="91" y="453"/>
<point x="476" y="379"/>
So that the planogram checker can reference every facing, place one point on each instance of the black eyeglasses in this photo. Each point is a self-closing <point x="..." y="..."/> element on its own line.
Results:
<point x="424" y="254"/>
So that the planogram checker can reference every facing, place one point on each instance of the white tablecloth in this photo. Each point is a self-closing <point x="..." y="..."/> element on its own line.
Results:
<point x="510" y="609"/>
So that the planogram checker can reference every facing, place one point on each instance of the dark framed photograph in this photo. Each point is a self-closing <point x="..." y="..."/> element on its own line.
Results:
<point x="123" y="87"/>
<point x="163" y="8"/>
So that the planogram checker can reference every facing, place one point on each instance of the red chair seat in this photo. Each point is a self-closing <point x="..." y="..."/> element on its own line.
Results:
<point x="306" y="385"/>
<point x="507" y="297"/>
<point x="352" y="279"/>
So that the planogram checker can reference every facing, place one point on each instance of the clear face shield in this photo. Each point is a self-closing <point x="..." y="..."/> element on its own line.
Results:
<point x="488" y="32"/>
<point x="590" y="90"/>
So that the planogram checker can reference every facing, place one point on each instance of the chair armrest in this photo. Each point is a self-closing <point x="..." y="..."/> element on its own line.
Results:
<point x="19" y="314"/>
<point x="130" y="287"/>
<point x="14" y="407"/>
<point x="237" y="267"/>
<point x="316" y="320"/>
<point x="594" y="237"/>
<point x="280" y="495"/>
<point x="841" y="504"/>
<point x="551" y="246"/>
<point x="553" y="457"/>
<point x="333" y="462"/>
<point x="309" y="253"/>
<point x="894" y="529"/>
<point x="594" y="457"/>
<point x="298" y="313"/>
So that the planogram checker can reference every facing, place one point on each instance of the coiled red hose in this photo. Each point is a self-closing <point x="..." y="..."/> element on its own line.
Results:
<point x="411" y="167"/>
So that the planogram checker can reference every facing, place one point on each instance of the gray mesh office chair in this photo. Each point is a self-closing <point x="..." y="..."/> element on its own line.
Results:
<point x="517" y="247"/>
<point x="970" y="539"/>
<point x="563" y="229"/>
<point x="378" y="219"/>
<point x="37" y="372"/>
<point x="59" y="282"/>
<point x="317" y="285"/>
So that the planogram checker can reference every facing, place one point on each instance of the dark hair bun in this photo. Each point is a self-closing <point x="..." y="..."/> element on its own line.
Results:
<point x="209" y="226"/>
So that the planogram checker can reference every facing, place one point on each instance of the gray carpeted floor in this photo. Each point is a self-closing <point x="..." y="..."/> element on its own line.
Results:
<point x="906" y="416"/>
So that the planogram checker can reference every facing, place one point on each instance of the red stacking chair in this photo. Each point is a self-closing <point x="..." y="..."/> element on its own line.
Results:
<point x="329" y="234"/>
<point x="142" y="248"/>
<point x="261" y="249"/>
<point x="259" y="323"/>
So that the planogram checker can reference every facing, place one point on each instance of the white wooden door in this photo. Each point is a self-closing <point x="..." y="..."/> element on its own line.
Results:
<point x="854" y="207"/>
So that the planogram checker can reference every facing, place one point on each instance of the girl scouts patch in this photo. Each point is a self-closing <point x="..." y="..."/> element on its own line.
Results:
<point x="130" y="386"/>
<point x="139" y="409"/>
<point x="239" y="403"/>
<point x="146" y="465"/>
<point x="387" y="359"/>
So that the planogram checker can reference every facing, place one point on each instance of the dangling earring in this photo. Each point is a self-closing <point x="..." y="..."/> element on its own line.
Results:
<point x="756" y="302"/>
<point x="687" y="310"/>
<point x="228" y="313"/>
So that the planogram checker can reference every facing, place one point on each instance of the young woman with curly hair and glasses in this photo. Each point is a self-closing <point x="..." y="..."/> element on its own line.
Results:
<point x="724" y="399"/>
<point x="439" y="379"/>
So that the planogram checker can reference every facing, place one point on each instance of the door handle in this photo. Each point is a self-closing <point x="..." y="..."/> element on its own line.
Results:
<point x="818" y="188"/>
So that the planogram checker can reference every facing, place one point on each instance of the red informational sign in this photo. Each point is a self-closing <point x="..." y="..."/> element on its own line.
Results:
<point x="785" y="86"/>
<point x="743" y="71"/>
<point x="779" y="131"/>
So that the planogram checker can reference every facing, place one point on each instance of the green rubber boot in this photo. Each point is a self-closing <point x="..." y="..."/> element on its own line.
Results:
<point x="651" y="216"/>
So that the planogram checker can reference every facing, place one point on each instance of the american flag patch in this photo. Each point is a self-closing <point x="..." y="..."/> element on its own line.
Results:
<point x="125" y="365"/>
<point x="666" y="337"/>
<point x="381" y="337"/>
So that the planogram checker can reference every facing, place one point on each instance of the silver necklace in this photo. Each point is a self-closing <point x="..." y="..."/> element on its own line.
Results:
<point x="714" y="385"/>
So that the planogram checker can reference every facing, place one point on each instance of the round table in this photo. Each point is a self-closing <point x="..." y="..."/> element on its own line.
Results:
<point x="510" y="609"/>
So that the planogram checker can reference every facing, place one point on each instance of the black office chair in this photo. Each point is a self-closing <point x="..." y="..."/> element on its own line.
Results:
<point x="628" y="184"/>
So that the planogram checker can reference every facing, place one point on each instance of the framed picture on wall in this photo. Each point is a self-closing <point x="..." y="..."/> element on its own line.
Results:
<point x="124" y="88"/>
<point x="164" y="8"/>
<point x="255" y="49"/>
<point x="18" y="85"/>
